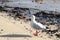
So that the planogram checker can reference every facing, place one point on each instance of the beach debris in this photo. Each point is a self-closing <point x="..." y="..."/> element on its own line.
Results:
<point x="21" y="22"/>
<point x="53" y="31"/>
<point x="47" y="17"/>
<point x="26" y="28"/>
<point x="13" y="22"/>
<point x="40" y="36"/>
<point x="16" y="12"/>
<point x="0" y="32"/>
<point x="57" y="35"/>
<point x="1" y="29"/>
<point x="51" y="35"/>
<point x="1" y="8"/>
<point x="28" y="15"/>
<point x="30" y="30"/>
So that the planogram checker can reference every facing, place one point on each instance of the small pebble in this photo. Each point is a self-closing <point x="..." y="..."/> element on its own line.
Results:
<point x="40" y="36"/>
<point x="0" y="33"/>
<point x="26" y="28"/>
<point x="49" y="37"/>
<point x="13" y="22"/>
<point x="21" y="22"/>
<point x="18" y="19"/>
<point x="58" y="35"/>
<point x="30" y="31"/>
<point x="1" y="29"/>
<point x="1" y="15"/>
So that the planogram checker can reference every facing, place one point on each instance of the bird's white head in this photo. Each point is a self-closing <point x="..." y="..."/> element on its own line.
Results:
<point x="33" y="17"/>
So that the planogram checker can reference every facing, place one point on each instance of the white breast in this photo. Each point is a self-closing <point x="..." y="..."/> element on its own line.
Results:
<point x="37" y="25"/>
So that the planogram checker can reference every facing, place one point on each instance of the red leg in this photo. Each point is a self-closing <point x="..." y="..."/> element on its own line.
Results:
<point x="36" y="33"/>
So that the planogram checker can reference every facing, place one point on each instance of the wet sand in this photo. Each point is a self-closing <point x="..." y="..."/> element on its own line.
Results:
<point x="19" y="30"/>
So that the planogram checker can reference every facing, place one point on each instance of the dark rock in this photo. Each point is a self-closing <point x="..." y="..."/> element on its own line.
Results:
<point x="1" y="29"/>
<point x="54" y="31"/>
<point x="40" y="36"/>
<point x="47" y="28"/>
<point x="58" y="35"/>
<point x="21" y="22"/>
<point x="51" y="35"/>
<point x="26" y="28"/>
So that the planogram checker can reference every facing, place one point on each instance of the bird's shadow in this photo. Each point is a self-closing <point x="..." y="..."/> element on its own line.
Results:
<point x="15" y="35"/>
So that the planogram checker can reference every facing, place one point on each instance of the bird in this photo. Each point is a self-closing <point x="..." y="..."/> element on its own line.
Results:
<point x="36" y="25"/>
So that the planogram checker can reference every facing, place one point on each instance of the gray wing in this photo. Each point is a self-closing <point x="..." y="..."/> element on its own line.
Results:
<point x="35" y="26"/>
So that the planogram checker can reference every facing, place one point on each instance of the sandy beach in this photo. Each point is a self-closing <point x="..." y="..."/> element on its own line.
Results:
<point x="17" y="28"/>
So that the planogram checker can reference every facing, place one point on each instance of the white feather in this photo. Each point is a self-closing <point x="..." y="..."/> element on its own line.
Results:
<point x="39" y="25"/>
